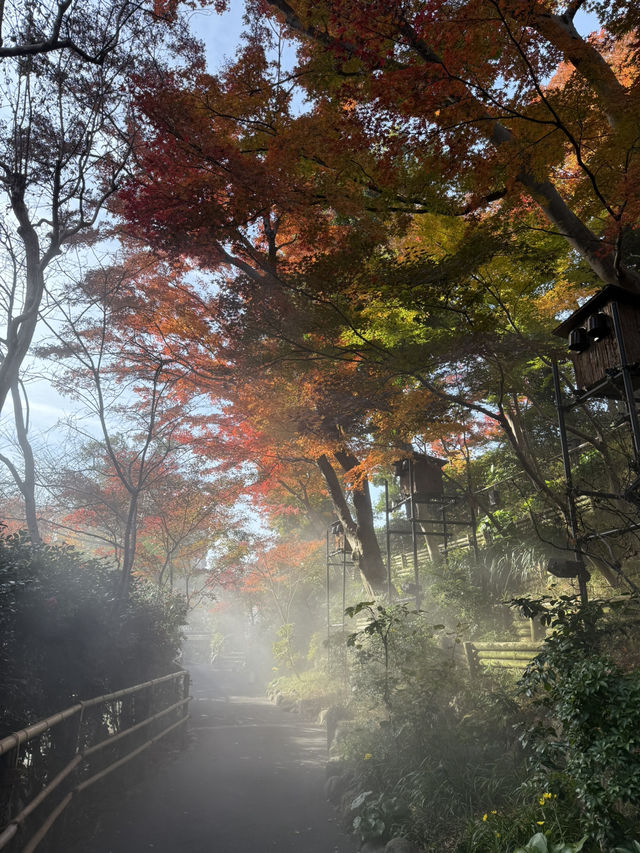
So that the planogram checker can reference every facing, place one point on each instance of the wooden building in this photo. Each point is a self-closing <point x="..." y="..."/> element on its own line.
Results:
<point x="426" y="476"/>
<point x="595" y="343"/>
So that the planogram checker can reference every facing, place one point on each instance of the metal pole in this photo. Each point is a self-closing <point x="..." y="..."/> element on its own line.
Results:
<point x="328" y="610"/>
<point x="566" y="461"/>
<point x="445" y="535"/>
<point x="628" y="385"/>
<point x="344" y="586"/>
<point x="344" y="607"/>
<point x="388" y="538"/>
<point x="472" y="509"/>
<point x="474" y="533"/>
<point x="414" y="537"/>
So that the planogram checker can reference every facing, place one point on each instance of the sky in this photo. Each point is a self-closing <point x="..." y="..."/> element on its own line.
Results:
<point x="220" y="33"/>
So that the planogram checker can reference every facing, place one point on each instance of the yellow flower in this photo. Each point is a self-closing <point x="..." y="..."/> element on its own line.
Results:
<point x="367" y="756"/>
<point x="484" y="816"/>
<point x="494" y="811"/>
<point x="540" y="822"/>
<point x="497" y="835"/>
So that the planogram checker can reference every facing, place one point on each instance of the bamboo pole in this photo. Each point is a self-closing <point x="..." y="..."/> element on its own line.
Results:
<point x="113" y="738"/>
<point x="7" y="834"/>
<point x="46" y="826"/>
<point x="111" y="767"/>
<point x="18" y="738"/>
<point x="13" y="826"/>
<point x="55" y="814"/>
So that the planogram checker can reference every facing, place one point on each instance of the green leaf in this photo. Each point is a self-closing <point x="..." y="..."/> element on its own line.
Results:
<point x="537" y="844"/>
<point x="360" y="799"/>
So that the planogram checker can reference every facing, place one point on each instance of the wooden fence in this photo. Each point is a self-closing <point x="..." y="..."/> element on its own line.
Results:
<point x="402" y="559"/>
<point x="508" y="655"/>
<point x="513" y="654"/>
<point x="57" y="758"/>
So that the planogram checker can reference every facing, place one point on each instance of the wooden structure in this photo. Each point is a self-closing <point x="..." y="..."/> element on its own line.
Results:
<point x="339" y="542"/>
<point x="427" y="508"/>
<point x="75" y="748"/>
<point x="420" y="475"/>
<point x="603" y="336"/>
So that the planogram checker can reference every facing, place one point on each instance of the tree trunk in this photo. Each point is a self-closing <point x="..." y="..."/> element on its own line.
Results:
<point x="28" y="486"/>
<point x="20" y="329"/>
<point x="129" y="547"/>
<point x="360" y="534"/>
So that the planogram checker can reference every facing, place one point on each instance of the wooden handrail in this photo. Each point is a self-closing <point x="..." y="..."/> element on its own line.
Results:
<point x="55" y="814"/>
<point x="14" y="740"/>
<point x="17" y="738"/>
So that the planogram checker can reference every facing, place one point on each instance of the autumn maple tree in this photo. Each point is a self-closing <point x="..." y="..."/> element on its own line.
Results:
<point x="505" y="102"/>
<point x="370" y="247"/>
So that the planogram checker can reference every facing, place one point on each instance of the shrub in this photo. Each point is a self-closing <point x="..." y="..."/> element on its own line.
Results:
<point x="588" y="707"/>
<point x="428" y="747"/>
<point x="63" y="637"/>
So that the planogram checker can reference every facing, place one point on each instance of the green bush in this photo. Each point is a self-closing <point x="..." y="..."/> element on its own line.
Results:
<point x="588" y="715"/>
<point x="64" y="637"/>
<point x="530" y="812"/>
<point x="428" y="748"/>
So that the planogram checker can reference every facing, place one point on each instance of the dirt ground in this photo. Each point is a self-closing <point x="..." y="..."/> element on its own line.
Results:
<point x="249" y="781"/>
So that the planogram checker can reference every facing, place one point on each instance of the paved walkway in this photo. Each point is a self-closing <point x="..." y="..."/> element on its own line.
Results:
<point x="250" y="781"/>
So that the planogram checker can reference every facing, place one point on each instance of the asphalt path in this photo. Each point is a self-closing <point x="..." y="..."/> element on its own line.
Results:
<point x="250" y="780"/>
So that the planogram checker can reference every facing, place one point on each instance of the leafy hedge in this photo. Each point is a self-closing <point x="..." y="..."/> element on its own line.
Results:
<point x="64" y="637"/>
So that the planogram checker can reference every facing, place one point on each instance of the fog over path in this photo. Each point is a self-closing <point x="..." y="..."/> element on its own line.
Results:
<point x="250" y="781"/>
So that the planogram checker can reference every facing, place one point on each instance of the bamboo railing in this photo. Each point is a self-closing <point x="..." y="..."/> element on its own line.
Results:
<point x="82" y="744"/>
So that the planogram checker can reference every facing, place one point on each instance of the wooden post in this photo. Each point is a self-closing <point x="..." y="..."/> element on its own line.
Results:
<point x="628" y="385"/>
<point x="388" y="538"/>
<point x="571" y="503"/>
<point x="414" y="538"/>
<point x="472" y="659"/>
<point x="328" y="611"/>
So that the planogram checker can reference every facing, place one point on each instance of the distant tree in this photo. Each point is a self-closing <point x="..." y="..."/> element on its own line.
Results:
<point x="189" y="518"/>
<point x="66" y="135"/>
<point x="25" y="480"/>
<point x="91" y="29"/>
<point x="138" y="422"/>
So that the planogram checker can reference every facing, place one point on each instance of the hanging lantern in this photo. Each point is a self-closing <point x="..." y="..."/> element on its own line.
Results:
<point x="339" y="539"/>
<point x="598" y="326"/>
<point x="494" y="498"/>
<point x="578" y="340"/>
